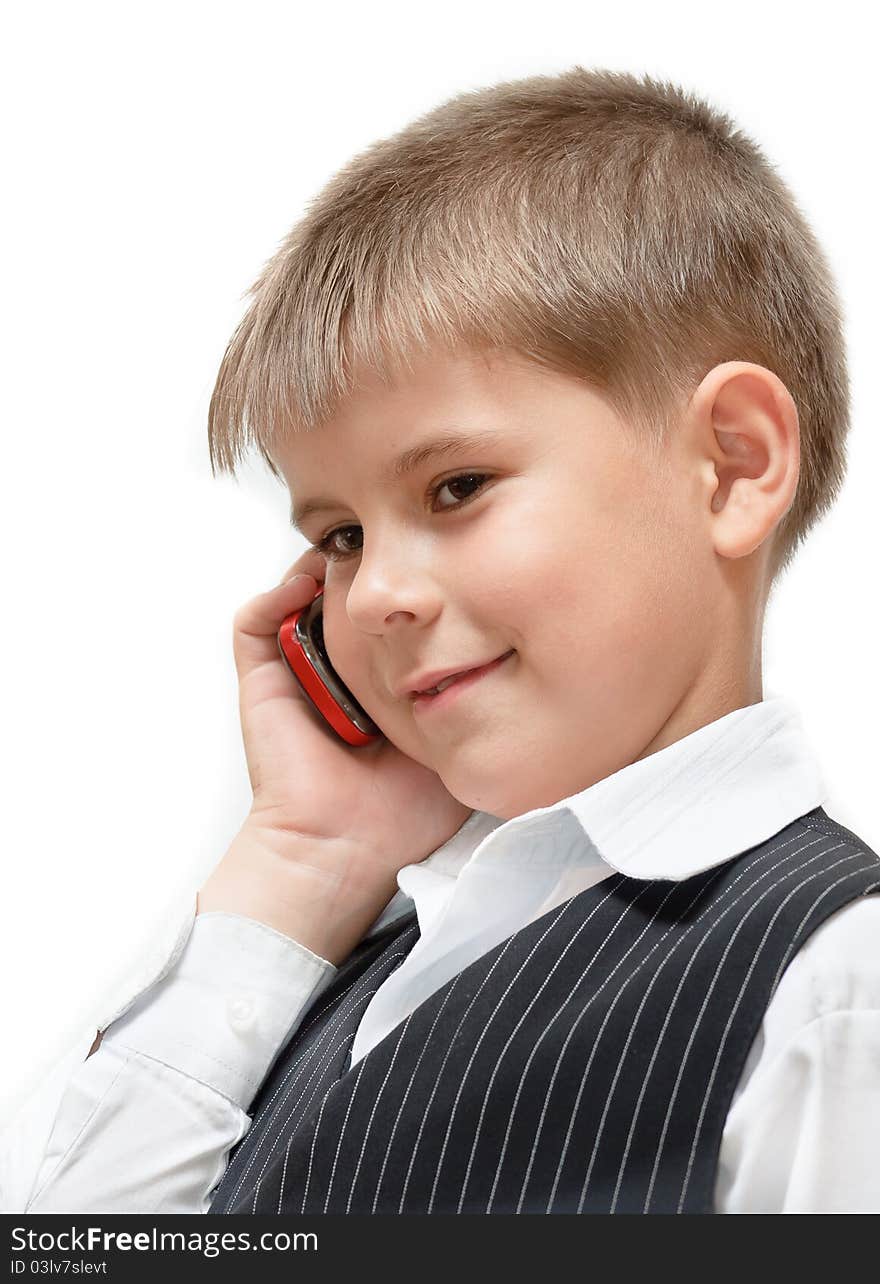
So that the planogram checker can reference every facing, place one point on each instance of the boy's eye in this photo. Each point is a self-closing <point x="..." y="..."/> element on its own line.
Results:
<point x="471" y="483"/>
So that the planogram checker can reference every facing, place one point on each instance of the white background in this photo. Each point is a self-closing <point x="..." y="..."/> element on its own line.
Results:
<point x="154" y="158"/>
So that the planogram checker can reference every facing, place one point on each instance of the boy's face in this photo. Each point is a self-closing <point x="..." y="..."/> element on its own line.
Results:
<point x="579" y="552"/>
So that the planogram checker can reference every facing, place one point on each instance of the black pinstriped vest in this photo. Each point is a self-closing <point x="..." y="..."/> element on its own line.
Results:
<point x="585" y="1064"/>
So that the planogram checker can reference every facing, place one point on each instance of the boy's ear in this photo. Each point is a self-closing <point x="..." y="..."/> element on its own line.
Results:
<point x="748" y="435"/>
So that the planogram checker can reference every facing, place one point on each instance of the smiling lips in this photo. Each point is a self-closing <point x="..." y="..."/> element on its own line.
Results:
<point x="436" y="697"/>
<point x="441" y="686"/>
<point x="438" y="681"/>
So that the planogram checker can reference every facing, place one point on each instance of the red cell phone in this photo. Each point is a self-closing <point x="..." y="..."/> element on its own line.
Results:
<point x="301" y="643"/>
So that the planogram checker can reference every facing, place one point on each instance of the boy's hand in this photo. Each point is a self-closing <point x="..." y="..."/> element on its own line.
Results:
<point x="330" y="824"/>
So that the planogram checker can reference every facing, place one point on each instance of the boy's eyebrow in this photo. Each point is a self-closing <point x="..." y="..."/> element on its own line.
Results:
<point x="406" y="462"/>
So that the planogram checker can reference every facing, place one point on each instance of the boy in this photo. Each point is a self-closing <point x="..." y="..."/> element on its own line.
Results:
<point x="556" y="380"/>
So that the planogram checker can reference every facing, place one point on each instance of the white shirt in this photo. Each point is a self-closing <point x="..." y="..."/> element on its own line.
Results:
<point x="146" y="1123"/>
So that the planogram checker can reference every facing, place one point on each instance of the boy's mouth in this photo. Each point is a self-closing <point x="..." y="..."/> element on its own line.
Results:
<point x="432" y="682"/>
<point x="448" y="689"/>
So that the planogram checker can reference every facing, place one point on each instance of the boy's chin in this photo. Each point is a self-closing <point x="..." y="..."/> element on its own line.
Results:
<point x="493" y="799"/>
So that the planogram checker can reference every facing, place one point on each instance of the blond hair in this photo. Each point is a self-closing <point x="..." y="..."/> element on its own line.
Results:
<point x="616" y="228"/>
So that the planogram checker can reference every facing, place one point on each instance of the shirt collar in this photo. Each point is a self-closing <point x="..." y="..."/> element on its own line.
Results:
<point x="717" y="792"/>
<point x="701" y="801"/>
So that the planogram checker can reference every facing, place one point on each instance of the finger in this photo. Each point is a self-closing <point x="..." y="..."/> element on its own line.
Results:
<point x="311" y="562"/>
<point x="262" y="616"/>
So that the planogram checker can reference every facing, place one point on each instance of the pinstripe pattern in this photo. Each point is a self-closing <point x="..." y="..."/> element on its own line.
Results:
<point x="586" y="1064"/>
<point x="341" y="1010"/>
<point x="857" y="873"/>
<point x="683" y="941"/>
<point x="802" y="850"/>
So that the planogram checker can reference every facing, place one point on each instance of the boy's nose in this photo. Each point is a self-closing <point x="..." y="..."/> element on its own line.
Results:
<point x="378" y="601"/>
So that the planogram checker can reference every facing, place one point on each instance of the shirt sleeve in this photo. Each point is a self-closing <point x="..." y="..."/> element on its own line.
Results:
<point x="803" y="1132"/>
<point x="145" y="1124"/>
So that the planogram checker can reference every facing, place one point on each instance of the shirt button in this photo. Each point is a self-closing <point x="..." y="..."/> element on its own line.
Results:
<point x="240" y="1013"/>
